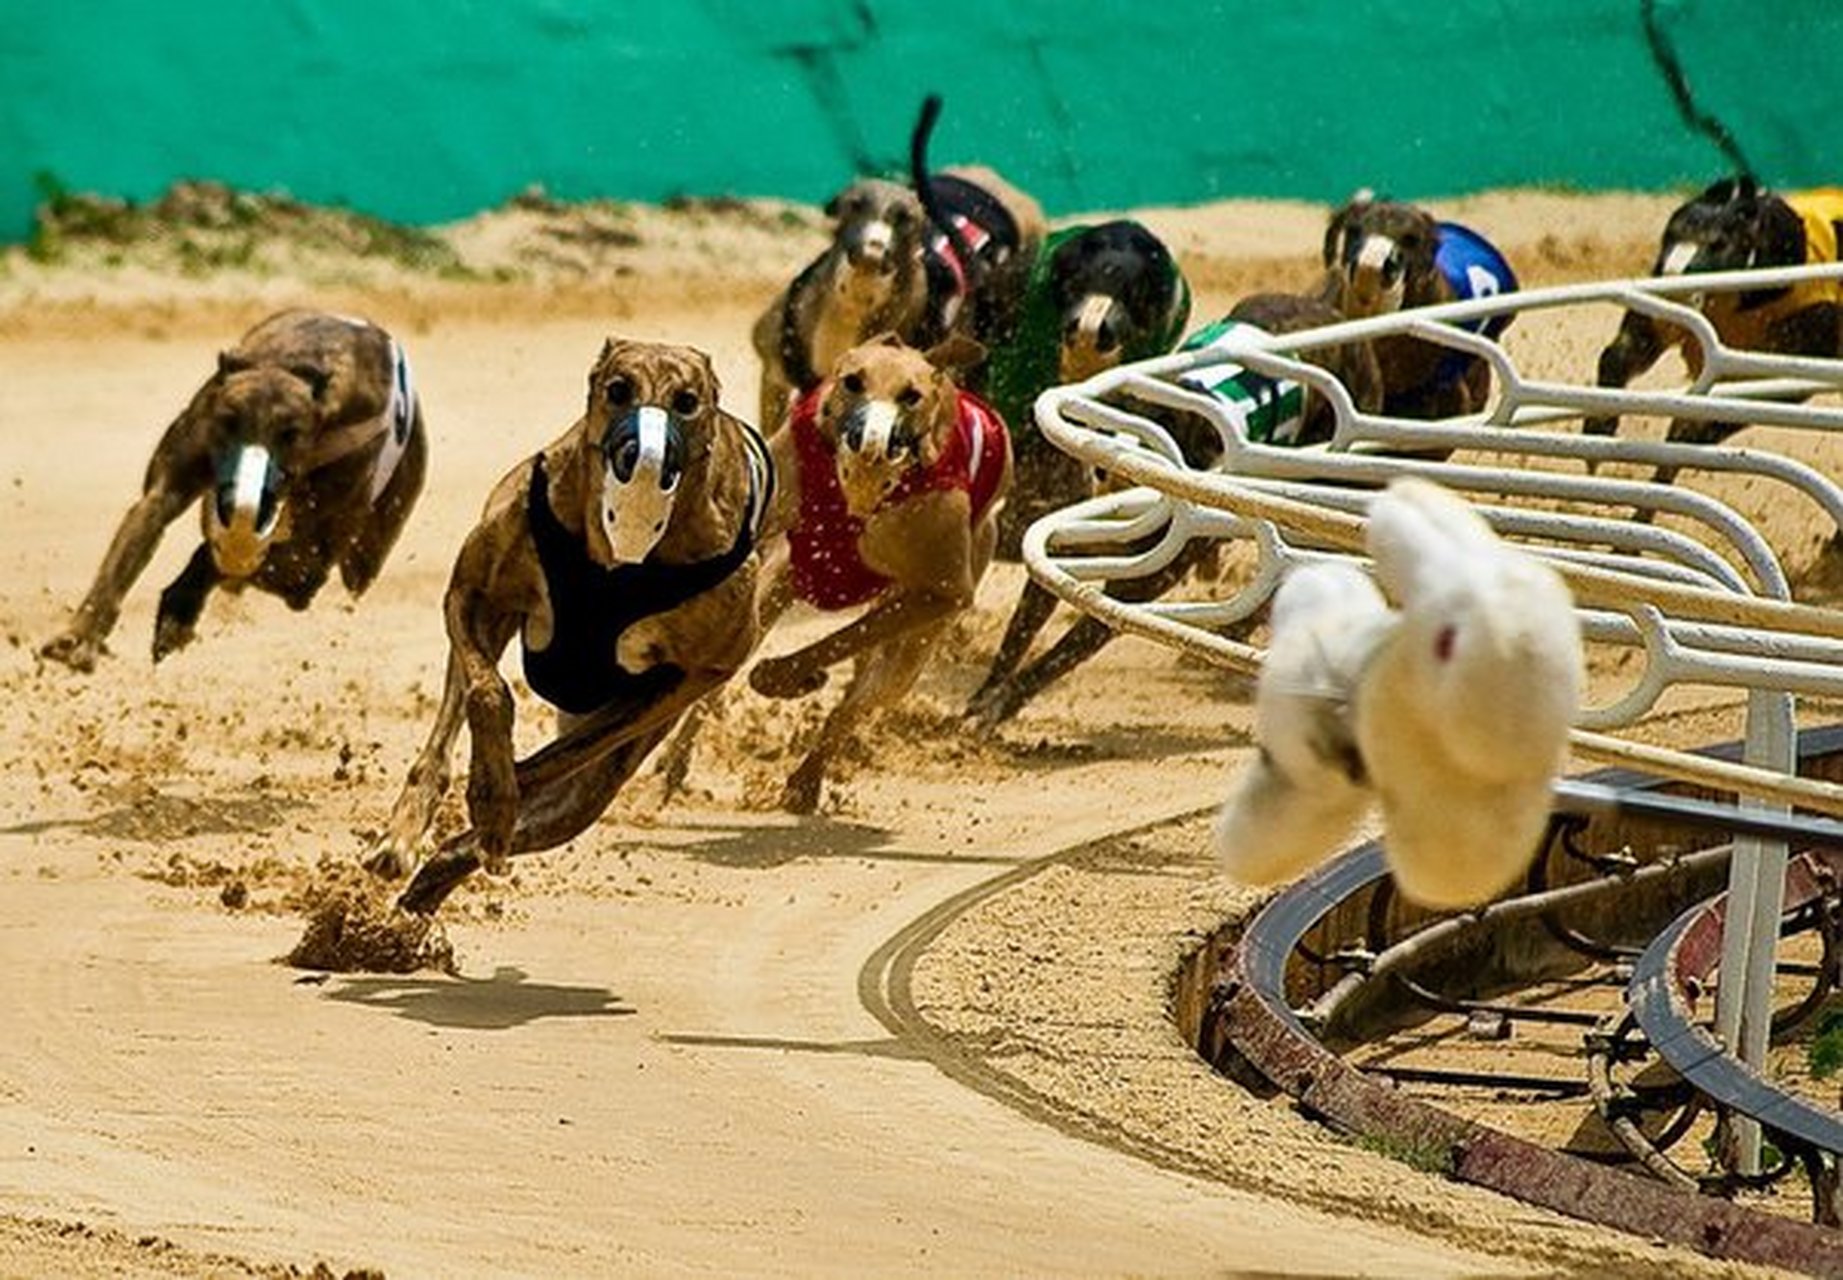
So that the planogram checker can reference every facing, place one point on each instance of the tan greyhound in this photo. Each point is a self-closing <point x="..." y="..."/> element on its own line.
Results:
<point x="308" y="449"/>
<point x="897" y="479"/>
<point x="949" y="254"/>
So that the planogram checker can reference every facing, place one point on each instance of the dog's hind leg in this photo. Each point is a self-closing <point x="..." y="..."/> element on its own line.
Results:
<point x="182" y="602"/>
<point x="549" y="814"/>
<point x="1080" y="642"/>
<point x="1635" y="348"/>
<point x="1034" y="608"/>
<point x="881" y="676"/>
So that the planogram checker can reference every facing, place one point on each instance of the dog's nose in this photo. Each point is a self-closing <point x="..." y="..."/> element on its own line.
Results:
<point x="1094" y="323"/>
<point x="870" y="428"/>
<point x="1382" y="256"/>
<point x="245" y="510"/>
<point x="1679" y="258"/>
<point x="872" y="242"/>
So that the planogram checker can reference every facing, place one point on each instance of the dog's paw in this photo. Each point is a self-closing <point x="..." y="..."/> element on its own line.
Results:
<point x="801" y="793"/>
<point x="388" y="862"/>
<point x="990" y="707"/>
<point x="638" y="650"/>
<point x="79" y="653"/>
<point x="170" y="636"/>
<point x="784" y="678"/>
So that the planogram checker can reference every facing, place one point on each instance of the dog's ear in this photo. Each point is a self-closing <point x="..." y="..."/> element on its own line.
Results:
<point x="1718" y="193"/>
<point x="956" y="353"/>
<point x="830" y="208"/>
<point x="707" y="374"/>
<point x="1782" y="234"/>
<point x="1779" y="241"/>
<point x="606" y="354"/>
<point x="1334" y="234"/>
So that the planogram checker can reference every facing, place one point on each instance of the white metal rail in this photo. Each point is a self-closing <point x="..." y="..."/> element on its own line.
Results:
<point x="1699" y="595"/>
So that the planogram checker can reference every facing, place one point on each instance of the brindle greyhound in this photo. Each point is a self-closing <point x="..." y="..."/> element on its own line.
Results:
<point x="897" y="478"/>
<point x="888" y="270"/>
<point x="307" y="445"/>
<point x="626" y="554"/>
<point x="1382" y="256"/>
<point x="1731" y="226"/>
<point x="1286" y="414"/>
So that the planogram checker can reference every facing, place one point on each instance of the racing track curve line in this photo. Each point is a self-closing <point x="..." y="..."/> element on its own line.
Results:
<point x="884" y="988"/>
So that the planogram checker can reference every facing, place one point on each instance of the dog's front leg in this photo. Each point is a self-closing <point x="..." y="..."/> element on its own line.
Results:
<point x="176" y="622"/>
<point x="548" y="816"/>
<point x="477" y="634"/>
<point x="81" y="643"/>
<point x="1635" y="348"/>
<point x="414" y="812"/>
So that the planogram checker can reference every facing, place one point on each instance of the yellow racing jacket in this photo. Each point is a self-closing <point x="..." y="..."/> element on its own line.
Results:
<point x="1746" y="327"/>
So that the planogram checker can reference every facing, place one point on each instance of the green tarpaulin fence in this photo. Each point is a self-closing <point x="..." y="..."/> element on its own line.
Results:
<point x="424" y="111"/>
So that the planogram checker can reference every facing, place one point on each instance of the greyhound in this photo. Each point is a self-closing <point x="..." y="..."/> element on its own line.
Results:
<point x="897" y="479"/>
<point x="1733" y="225"/>
<point x="1097" y="296"/>
<point x="1274" y="412"/>
<point x="308" y="448"/>
<point x="626" y="555"/>
<point x="946" y="255"/>
<point x="1382" y="256"/>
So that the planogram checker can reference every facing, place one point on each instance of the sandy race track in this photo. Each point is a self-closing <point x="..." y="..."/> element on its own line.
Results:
<point x="924" y="1031"/>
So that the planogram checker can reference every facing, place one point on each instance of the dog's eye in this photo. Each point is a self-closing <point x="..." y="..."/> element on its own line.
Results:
<point x="685" y="403"/>
<point x="909" y="397"/>
<point x="620" y="392"/>
<point x="854" y="383"/>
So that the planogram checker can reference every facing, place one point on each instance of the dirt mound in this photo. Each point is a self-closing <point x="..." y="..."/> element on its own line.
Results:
<point x="354" y="926"/>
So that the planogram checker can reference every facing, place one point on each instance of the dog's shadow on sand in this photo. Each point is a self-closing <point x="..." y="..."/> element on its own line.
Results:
<point x="147" y="815"/>
<point x="763" y="847"/>
<point x="506" y="1000"/>
<point x="768" y="845"/>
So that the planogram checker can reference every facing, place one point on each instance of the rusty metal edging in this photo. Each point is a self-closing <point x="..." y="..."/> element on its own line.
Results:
<point x="1662" y="1005"/>
<point x="1251" y="1022"/>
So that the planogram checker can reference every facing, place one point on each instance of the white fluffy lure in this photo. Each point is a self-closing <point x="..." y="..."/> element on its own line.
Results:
<point x="1452" y="712"/>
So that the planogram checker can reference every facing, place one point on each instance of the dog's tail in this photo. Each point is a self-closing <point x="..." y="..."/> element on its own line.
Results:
<point x="924" y="186"/>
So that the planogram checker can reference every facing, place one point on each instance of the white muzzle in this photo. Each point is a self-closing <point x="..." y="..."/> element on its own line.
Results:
<point x="643" y="459"/>
<point x="243" y="513"/>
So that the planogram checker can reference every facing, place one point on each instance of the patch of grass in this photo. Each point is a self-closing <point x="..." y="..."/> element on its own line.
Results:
<point x="1427" y="1155"/>
<point x="208" y="226"/>
<point x="1824" y="1055"/>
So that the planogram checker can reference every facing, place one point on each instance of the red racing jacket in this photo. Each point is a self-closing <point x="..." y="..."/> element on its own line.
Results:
<point x="828" y="573"/>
